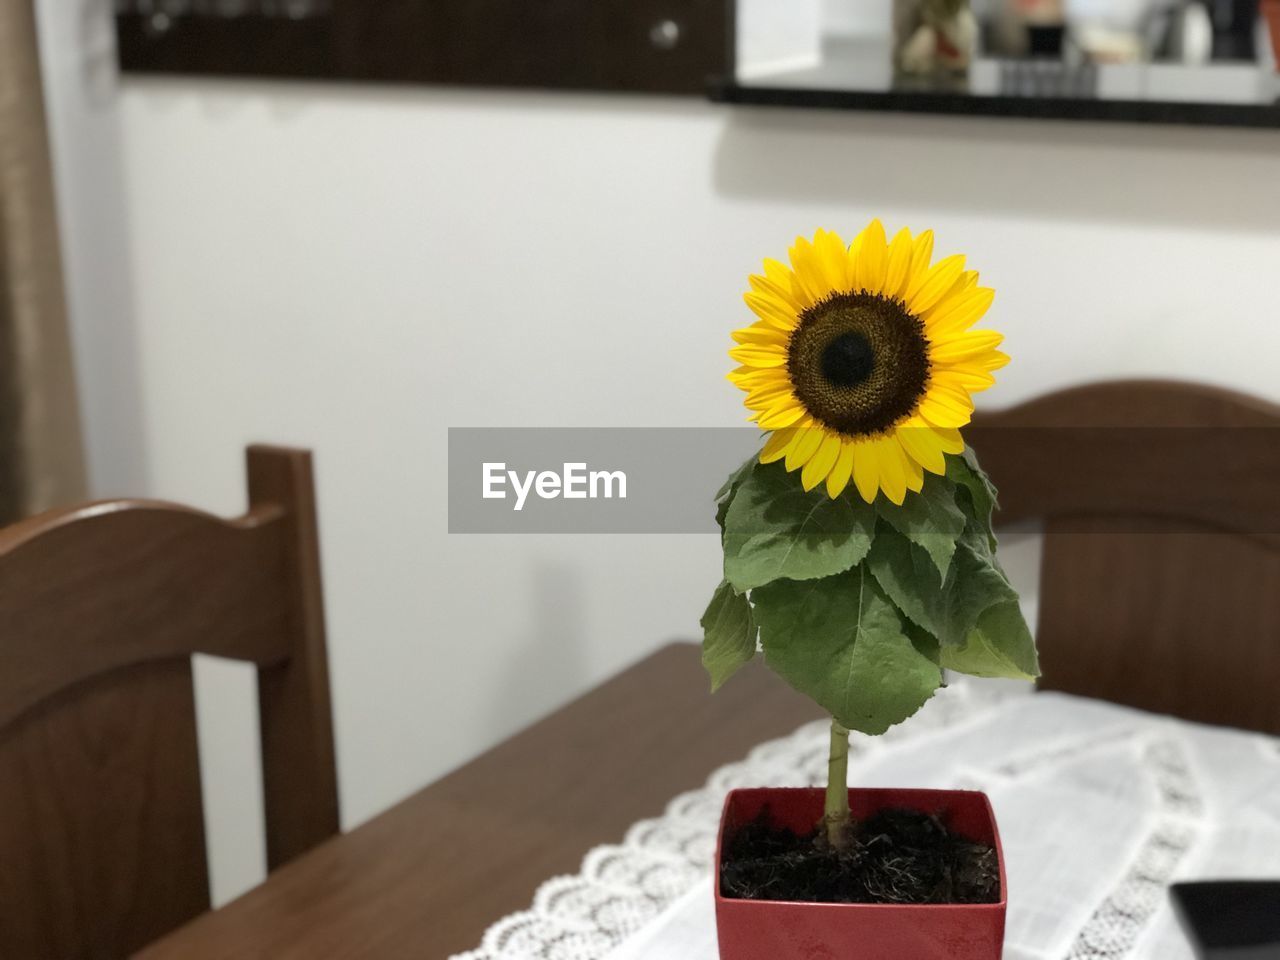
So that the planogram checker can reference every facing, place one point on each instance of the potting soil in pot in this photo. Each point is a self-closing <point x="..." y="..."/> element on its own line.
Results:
<point x="895" y="856"/>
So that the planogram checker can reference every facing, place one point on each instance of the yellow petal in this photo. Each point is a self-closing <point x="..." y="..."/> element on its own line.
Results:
<point x="949" y="439"/>
<point x="872" y="260"/>
<point x="808" y="271"/>
<point x="775" y="448"/>
<point x="777" y="283"/>
<point x="915" y="475"/>
<point x="963" y="346"/>
<point x="939" y="413"/>
<point x="898" y="264"/>
<point x="959" y="288"/>
<point x="950" y="394"/>
<point x="783" y="415"/>
<point x="785" y="277"/>
<point x="759" y="356"/>
<point x="833" y="261"/>
<point x="866" y="470"/>
<point x="772" y="311"/>
<point x="820" y="464"/>
<point x="928" y="288"/>
<point x="760" y="333"/>
<point x="893" y="468"/>
<point x="922" y="445"/>
<point x="957" y="313"/>
<point x="748" y="378"/>
<point x="767" y="395"/>
<point x="842" y="472"/>
<point x="966" y="377"/>
<point x="805" y="447"/>
<point x="993" y="360"/>
<point x="921" y="256"/>
<point x="854" y="253"/>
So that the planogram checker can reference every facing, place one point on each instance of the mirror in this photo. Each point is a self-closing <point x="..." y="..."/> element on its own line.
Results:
<point x="1198" y="61"/>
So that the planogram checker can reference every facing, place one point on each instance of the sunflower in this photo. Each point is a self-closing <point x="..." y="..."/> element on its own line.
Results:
<point x="862" y="361"/>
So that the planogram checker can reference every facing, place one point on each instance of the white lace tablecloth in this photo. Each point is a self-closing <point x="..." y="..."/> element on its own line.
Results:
<point x="1100" y="808"/>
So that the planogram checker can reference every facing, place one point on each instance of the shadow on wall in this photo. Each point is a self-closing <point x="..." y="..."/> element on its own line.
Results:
<point x="551" y="657"/>
<point x="1174" y="176"/>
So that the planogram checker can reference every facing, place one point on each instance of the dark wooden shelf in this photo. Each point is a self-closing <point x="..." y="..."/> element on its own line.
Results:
<point x="659" y="46"/>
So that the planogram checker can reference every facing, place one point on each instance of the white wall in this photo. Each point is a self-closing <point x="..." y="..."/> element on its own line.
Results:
<point x="356" y="270"/>
<point x="77" y="54"/>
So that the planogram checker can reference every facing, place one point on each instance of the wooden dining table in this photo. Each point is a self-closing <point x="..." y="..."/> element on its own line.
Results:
<point x="427" y="877"/>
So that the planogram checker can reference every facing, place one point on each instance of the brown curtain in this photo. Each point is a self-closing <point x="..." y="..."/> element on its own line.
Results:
<point x="41" y="459"/>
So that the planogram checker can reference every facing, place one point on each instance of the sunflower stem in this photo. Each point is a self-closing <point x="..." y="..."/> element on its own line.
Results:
<point x="837" y="818"/>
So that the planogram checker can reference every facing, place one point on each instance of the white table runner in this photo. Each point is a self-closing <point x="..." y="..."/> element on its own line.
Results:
<point x="1099" y="807"/>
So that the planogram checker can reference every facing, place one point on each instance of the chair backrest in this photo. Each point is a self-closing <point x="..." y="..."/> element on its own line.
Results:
<point x="1160" y="582"/>
<point x="102" y="845"/>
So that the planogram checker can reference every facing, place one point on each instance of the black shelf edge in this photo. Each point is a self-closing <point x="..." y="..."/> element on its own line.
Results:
<point x="1260" y="116"/>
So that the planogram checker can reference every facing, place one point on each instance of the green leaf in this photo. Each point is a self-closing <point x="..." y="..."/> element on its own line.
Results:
<point x="775" y="530"/>
<point x="840" y="641"/>
<point x="930" y="519"/>
<point x="946" y="609"/>
<point x="979" y="497"/>
<point x="999" y="645"/>
<point x="910" y="579"/>
<point x="728" y="635"/>
<point x="724" y="496"/>
<point x="978" y="585"/>
<point x="925" y="643"/>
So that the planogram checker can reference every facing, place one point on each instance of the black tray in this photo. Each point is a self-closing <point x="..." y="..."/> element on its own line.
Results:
<point x="1231" y="919"/>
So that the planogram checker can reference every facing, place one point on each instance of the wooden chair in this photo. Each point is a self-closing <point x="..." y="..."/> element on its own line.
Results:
<point x="102" y="845"/>
<point x="1160" y="583"/>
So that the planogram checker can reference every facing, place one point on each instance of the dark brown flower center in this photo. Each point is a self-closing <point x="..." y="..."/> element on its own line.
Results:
<point x="848" y="360"/>
<point x="859" y="362"/>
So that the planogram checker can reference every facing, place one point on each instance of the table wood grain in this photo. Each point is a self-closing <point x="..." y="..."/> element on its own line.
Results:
<point x="426" y="878"/>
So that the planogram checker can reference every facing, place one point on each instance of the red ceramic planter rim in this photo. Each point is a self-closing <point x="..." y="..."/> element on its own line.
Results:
<point x="854" y="793"/>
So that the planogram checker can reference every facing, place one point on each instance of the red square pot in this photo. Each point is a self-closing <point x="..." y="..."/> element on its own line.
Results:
<point x="777" y="930"/>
